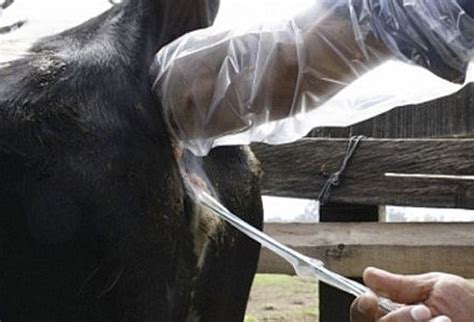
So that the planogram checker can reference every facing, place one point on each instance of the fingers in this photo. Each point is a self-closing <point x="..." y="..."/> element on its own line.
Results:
<point x="399" y="288"/>
<point x="441" y="319"/>
<point x="415" y="313"/>
<point x="364" y="308"/>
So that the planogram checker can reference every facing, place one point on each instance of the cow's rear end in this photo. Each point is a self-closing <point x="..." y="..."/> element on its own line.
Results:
<point x="95" y="224"/>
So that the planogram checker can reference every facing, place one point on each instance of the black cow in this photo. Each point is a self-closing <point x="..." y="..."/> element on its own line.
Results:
<point x="95" y="223"/>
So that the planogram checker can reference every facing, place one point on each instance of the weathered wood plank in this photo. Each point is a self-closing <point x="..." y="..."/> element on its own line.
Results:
<point x="334" y="305"/>
<point x="300" y="170"/>
<point x="348" y="248"/>
<point x="450" y="116"/>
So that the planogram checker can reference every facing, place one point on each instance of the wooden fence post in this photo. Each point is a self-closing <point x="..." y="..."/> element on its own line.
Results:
<point x="334" y="305"/>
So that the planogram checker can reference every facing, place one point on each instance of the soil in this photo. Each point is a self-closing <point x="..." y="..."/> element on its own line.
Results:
<point x="283" y="298"/>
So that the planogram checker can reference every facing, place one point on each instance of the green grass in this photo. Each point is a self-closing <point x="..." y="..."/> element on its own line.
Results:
<point x="311" y="312"/>
<point x="273" y="280"/>
<point x="267" y="291"/>
<point x="282" y="298"/>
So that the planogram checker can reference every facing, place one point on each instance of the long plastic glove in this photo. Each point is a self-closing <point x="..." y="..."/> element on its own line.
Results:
<point x="212" y="82"/>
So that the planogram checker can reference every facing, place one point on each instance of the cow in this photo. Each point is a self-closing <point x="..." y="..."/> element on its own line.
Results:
<point x="96" y="224"/>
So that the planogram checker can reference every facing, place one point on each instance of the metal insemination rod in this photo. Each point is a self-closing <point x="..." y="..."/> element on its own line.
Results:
<point x="303" y="265"/>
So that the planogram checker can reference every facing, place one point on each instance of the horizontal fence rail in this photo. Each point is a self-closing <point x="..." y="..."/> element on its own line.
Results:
<point x="348" y="248"/>
<point x="449" y="116"/>
<point x="405" y="172"/>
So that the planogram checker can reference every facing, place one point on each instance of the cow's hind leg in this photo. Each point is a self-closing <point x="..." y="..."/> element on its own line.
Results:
<point x="231" y="258"/>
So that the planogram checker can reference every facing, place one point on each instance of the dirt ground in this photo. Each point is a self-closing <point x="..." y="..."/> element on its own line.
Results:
<point x="283" y="298"/>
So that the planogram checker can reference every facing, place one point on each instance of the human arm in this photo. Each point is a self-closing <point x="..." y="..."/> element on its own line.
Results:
<point x="215" y="83"/>
<point x="436" y="297"/>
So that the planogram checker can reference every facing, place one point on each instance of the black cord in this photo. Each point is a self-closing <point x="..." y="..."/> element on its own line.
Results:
<point x="334" y="179"/>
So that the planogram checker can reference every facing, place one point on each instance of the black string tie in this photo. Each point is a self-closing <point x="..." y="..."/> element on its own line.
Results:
<point x="334" y="179"/>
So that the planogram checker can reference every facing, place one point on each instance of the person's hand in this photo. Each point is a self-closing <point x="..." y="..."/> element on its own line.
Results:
<point x="435" y="297"/>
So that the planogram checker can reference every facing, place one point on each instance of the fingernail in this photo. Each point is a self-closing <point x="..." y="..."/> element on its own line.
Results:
<point x="420" y="313"/>
<point x="375" y="270"/>
<point x="363" y="305"/>
<point x="441" y="319"/>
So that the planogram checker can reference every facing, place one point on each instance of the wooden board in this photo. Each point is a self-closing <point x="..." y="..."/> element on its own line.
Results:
<point x="450" y="116"/>
<point x="348" y="248"/>
<point x="334" y="304"/>
<point x="382" y="171"/>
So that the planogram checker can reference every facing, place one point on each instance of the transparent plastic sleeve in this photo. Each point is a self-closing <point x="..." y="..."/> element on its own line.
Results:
<point x="274" y="83"/>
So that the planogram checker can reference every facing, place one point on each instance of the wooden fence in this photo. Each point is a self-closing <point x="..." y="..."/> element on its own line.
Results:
<point x="417" y="156"/>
